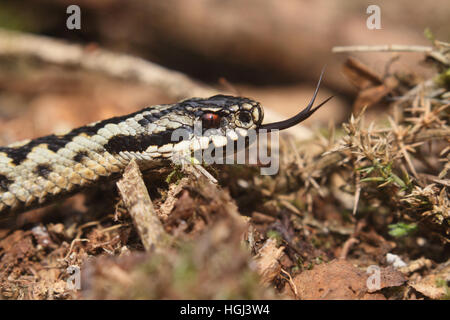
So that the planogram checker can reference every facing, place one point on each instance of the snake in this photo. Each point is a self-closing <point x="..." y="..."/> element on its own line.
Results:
<point x="37" y="172"/>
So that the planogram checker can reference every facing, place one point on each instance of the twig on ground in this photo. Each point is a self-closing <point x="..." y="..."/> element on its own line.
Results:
<point x="291" y="283"/>
<point x="137" y="200"/>
<point x="352" y="240"/>
<point x="347" y="246"/>
<point x="118" y="65"/>
<point x="382" y="48"/>
<point x="357" y="192"/>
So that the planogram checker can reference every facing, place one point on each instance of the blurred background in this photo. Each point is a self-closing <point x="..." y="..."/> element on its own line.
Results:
<point x="272" y="51"/>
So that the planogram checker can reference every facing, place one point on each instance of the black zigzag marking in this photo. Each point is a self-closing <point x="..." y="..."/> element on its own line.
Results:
<point x="56" y="142"/>
<point x="138" y="143"/>
<point x="43" y="170"/>
<point x="4" y="183"/>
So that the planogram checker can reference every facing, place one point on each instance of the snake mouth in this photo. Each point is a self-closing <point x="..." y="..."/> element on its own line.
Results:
<point x="302" y="115"/>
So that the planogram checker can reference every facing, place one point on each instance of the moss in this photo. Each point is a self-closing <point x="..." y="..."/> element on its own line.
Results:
<point x="401" y="229"/>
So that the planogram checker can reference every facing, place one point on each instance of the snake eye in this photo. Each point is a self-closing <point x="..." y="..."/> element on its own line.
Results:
<point x="210" y="120"/>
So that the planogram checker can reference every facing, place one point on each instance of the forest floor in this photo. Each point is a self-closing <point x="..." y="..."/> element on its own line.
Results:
<point x="360" y="211"/>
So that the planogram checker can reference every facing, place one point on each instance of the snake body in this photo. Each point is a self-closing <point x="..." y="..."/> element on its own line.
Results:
<point x="34" y="173"/>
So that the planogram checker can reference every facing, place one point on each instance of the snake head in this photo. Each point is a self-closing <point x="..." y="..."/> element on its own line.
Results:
<point x="225" y="112"/>
<point x="230" y="113"/>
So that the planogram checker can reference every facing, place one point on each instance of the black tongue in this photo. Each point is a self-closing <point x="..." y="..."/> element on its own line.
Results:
<point x="302" y="115"/>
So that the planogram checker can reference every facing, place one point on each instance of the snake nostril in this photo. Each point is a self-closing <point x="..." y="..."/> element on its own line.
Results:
<point x="245" y="118"/>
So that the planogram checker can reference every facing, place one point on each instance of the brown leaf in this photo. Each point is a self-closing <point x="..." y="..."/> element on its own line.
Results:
<point x="339" y="279"/>
<point x="360" y="75"/>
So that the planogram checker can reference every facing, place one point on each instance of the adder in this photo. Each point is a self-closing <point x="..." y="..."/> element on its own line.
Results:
<point x="36" y="172"/>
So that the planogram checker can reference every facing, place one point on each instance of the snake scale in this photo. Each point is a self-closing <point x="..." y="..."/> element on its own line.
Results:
<point x="36" y="172"/>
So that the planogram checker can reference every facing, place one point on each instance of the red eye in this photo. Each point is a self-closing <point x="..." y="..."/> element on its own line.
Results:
<point x="210" y="120"/>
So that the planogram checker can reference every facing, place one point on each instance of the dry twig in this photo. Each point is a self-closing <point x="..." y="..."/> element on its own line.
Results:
<point x="382" y="48"/>
<point x="137" y="200"/>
